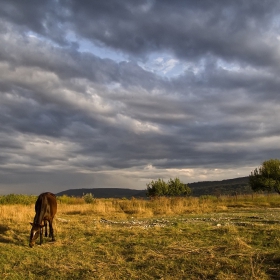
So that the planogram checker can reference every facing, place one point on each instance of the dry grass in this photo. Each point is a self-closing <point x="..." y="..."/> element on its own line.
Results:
<point x="192" y="238"/>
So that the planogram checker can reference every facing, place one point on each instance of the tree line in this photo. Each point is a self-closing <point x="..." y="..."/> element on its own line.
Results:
<point x="264" y="178"/>
<point x="174" y="187"/>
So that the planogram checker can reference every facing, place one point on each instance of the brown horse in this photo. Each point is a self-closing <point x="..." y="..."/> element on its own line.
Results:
<point x="45" y="209"/>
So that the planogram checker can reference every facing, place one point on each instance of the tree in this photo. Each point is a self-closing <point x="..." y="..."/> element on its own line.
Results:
<point x="177" y="188"/>
<point x="266" y="177"/>
<point x="157" y="188"/>
<point x="174" y="187"/>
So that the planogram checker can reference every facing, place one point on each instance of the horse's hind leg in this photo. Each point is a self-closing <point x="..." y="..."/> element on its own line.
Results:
<point x="41" y="235"/>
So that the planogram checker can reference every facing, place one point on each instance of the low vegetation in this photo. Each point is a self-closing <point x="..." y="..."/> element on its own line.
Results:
<point x="266" y="177"/>
<point x="226" y="237"/>
<point x="174" y="187"/>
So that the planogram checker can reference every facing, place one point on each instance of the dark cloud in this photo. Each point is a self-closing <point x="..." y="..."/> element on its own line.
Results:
<point x="72" y="116"/>
<point x="232" y="30"/>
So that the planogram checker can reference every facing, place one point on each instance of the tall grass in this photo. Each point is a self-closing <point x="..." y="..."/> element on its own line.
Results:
<point x="186" y="238"/>
<point x="161" y="206"/>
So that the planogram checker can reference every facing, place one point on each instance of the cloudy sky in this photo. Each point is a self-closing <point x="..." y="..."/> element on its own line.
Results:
<point x="119" y="93"/>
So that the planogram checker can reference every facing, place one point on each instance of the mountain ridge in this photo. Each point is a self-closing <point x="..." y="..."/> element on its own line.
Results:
<point x="223" y="187"/>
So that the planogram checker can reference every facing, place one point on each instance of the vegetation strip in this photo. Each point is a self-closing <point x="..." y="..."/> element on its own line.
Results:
<point x="165" y="238"/>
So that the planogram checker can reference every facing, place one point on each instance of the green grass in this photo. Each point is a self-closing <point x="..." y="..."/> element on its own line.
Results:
<point x="104" y="240"/>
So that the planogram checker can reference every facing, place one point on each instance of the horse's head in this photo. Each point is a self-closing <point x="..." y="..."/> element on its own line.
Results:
<point x="35" y="232"/>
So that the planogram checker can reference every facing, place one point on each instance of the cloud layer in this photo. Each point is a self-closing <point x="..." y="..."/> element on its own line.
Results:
<point x="117" y="93"/>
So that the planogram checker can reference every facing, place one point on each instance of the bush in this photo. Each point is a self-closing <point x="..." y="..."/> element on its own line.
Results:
<point x="88" y="198"/>
<point x="174" y="187"/>
<point x="157" y="188"/>
<point x="17" y="199"/>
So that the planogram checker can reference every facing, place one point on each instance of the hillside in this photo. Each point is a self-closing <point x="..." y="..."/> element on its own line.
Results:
<point x="224" y="187"/>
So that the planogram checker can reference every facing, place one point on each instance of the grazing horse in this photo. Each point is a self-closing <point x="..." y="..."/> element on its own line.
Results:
<point x="45" y="209"/>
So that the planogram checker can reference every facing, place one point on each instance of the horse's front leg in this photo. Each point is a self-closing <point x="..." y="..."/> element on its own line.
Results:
<point x="51" y="230"/>
<point x="46" y="230"/>
<point x="41" y="235"/>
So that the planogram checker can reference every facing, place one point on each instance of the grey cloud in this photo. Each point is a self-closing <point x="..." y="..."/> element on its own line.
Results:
<point x="188" y="28"/>
<point x="231" y="30"/>
<point x="67" y="113"/>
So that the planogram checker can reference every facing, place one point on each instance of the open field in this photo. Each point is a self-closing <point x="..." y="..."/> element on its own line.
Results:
<point x="179" y="238"/>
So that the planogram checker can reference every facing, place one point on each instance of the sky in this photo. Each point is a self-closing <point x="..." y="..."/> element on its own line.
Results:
<point x="101" y="94"/>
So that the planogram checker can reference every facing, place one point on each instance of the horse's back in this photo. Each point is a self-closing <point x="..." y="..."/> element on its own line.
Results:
<point x="46" y="203"/>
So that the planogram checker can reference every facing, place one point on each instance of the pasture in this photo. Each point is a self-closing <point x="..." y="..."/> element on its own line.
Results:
<point x="166" y="238"/>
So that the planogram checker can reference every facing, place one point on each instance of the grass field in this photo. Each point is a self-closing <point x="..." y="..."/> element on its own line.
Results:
<point x="167" y="238"/>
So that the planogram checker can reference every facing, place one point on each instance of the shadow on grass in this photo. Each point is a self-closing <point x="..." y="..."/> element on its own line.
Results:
<point x="5" y="240"/>
<point x="3" y="229"/>
<point x="273" y="261"/>
<point x="11" y="236"/>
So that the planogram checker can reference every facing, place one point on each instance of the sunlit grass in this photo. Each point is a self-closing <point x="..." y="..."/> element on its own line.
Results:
<point x="166" y="238"/>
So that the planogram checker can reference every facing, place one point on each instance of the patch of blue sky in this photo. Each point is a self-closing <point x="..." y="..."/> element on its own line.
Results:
<point x="101" y="51"/>
<point x="84" y="45"/>
<point x="162" y="64"/>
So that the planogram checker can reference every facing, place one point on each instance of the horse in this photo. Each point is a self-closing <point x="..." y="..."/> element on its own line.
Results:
<point x="45" y="208"/>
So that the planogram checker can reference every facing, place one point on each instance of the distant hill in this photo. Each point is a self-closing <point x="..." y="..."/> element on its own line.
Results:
<point x="224" y="187"/>
<point x="105" y="192"/>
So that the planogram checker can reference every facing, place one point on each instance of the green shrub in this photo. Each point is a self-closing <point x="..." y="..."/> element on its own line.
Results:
<point x="88" y="198"/>
<point x="17" y="199"/>
<point x="174" y="187"/>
